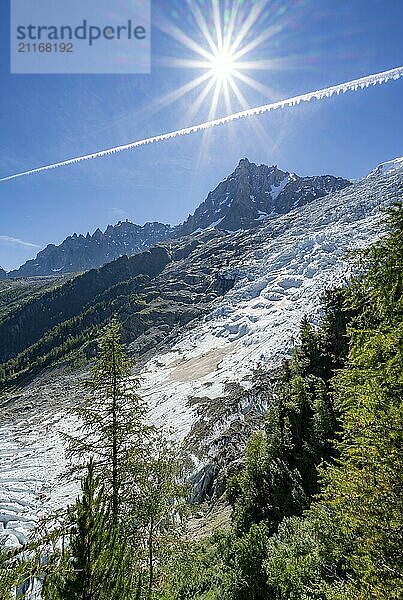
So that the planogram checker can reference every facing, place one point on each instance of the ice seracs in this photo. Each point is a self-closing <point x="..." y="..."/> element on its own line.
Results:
<point x="291" y="261"/>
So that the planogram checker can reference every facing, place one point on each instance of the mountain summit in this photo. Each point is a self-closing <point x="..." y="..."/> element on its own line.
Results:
<point x="242" y="201"/>
<point x="254" y="192"/>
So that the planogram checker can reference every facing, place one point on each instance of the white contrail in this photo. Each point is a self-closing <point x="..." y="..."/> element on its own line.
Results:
<point x="353" y="85"/>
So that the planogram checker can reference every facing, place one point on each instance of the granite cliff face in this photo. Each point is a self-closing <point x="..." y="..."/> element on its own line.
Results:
<point x="243" y="201"/>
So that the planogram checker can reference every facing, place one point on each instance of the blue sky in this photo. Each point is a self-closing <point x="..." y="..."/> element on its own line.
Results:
<point x="47" y="118"/>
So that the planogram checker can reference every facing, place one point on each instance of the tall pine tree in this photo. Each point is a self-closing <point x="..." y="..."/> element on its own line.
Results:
<point x="112" y="428"/>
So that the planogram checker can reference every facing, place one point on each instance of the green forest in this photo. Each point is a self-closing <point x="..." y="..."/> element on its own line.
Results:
<point x="317" y="507"/>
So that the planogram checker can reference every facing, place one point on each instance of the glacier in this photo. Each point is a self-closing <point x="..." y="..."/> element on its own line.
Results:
<point x="292" y="259"/>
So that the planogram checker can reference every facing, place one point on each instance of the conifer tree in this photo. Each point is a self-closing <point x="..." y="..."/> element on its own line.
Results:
<point x="349" y="545"/>
<point x="98" y="563"/>
<point x="15" y="573"/>
<point x="136" y="468"/>
<point x="365" y="488"/>
<point x="158" y="504"/>
<point x="112" y="416"/>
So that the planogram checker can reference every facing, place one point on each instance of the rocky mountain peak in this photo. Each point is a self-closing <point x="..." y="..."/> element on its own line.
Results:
<point x="243" y="200"/>
<point x="254" y="192"/>
<point x="3" y="274"/>
<point x="97" y="235"/>
<point x="243" y="166"/>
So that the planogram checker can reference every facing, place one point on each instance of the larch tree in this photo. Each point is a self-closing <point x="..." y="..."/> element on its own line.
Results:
<point x="97" y="562"/>
<point x="112" y="429"/>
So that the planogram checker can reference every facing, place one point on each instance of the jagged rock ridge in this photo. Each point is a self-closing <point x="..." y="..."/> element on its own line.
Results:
<point x="242" y="201"/>
<point x="80" y="253"/>
<point x="3" y="274"/>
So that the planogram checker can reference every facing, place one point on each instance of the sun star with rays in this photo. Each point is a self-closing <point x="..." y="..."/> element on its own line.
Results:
<point x="225" y="39"/>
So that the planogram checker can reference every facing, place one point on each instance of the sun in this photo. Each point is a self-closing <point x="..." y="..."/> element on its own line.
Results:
<point x="223" y="65"/>
<point x="222" y="50"/>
